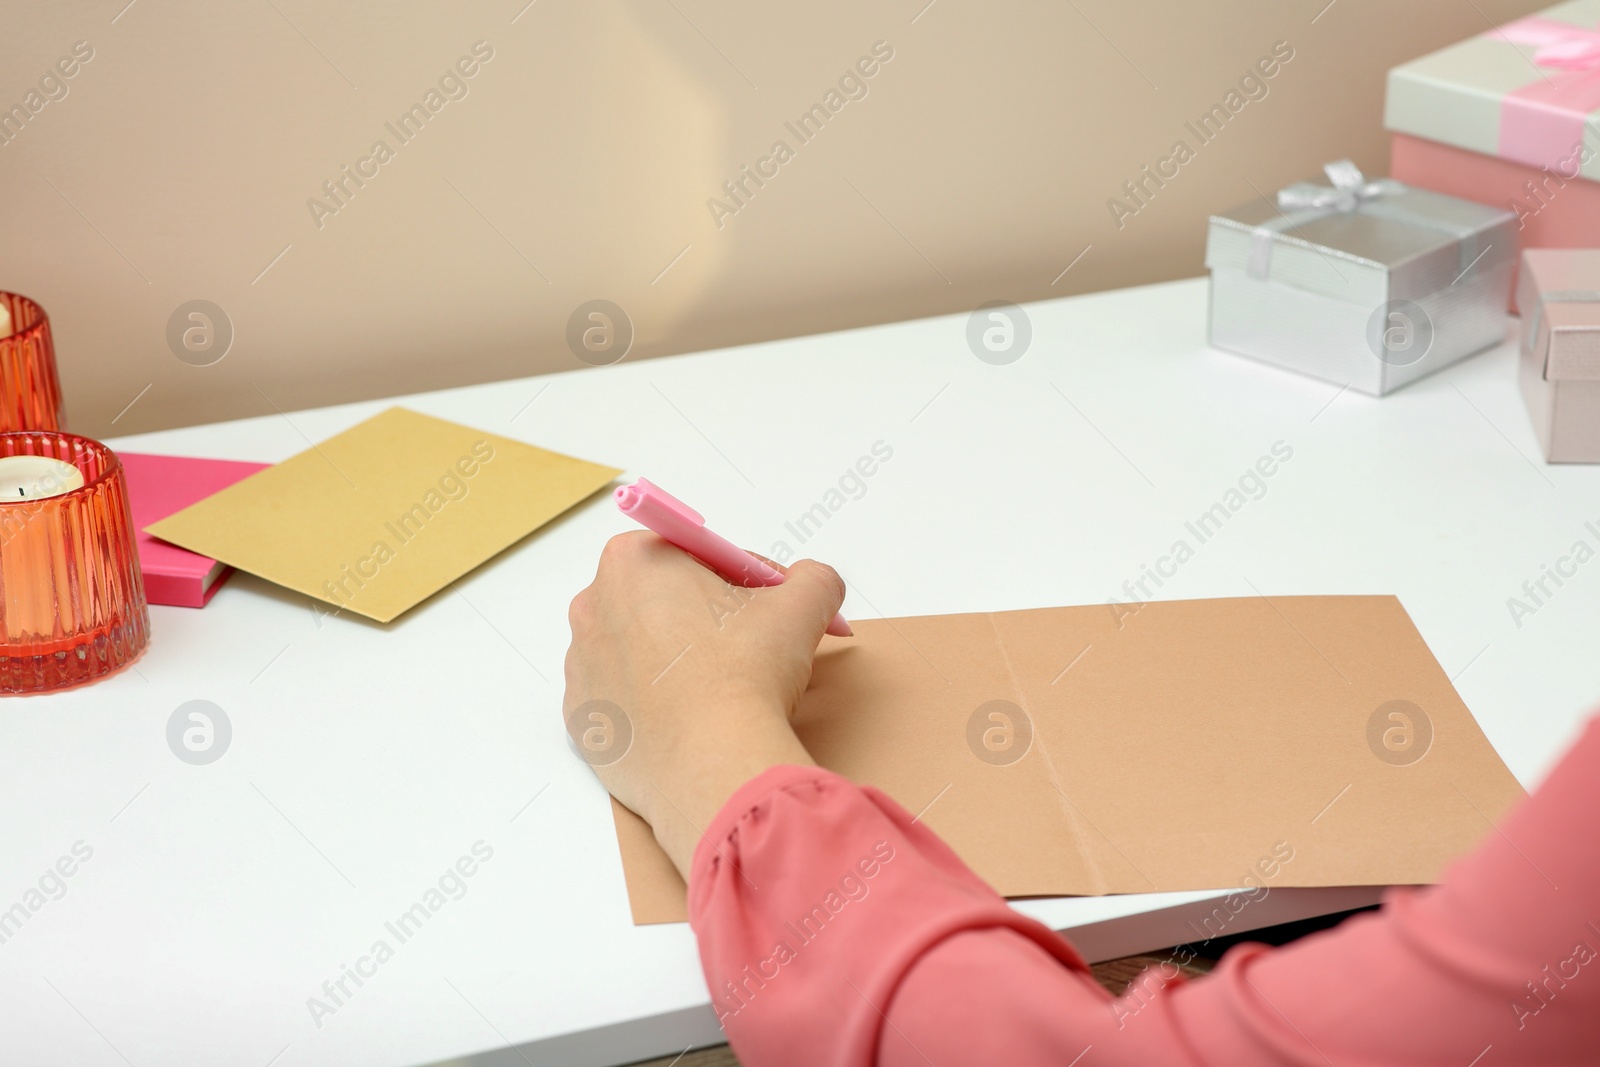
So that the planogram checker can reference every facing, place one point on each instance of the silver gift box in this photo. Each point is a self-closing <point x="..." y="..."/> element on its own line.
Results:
<point x="1370" y="285"/>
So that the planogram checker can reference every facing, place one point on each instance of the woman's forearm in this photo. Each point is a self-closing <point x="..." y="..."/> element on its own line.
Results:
<point x="813" y="899"/>
<point x="834" y="929"/>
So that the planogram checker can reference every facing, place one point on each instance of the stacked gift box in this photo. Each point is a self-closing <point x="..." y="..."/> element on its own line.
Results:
<point x="1372" y="284"/>
<point x="1502" y="119"/>
<point x="1559" y="294"/>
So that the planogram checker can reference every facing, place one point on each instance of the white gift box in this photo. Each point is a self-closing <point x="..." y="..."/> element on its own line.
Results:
<point x="1370" y="285"/>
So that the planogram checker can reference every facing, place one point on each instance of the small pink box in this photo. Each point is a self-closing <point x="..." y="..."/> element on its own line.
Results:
<point x="1552" y="212"/>
<point x="158" y="486"/>
<point x="1560" y="367"/>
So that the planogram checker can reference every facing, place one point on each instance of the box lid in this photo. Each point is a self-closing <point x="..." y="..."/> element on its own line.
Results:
<point x="1360" y="241"/>
<point x="1559" y="293"/>
<point x="1523" y="91"/>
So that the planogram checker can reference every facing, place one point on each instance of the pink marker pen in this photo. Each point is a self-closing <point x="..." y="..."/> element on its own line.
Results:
<point x="655" y="509"/>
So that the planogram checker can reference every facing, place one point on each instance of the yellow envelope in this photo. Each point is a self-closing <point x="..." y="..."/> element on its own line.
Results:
<point x="377" y="519"/>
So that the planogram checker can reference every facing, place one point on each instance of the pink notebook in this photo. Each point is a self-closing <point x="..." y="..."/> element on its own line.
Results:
<point x="159" y="486"/>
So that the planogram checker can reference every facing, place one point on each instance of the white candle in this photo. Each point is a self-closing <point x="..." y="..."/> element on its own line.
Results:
<point x="36" y="478"/>
<point x="5" y="321"/>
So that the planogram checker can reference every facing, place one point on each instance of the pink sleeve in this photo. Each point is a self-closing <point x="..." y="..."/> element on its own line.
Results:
<point x="835" y="930"/>
<point x="813" y="897"/>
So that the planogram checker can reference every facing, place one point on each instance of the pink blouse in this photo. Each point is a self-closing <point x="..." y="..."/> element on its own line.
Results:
<point x="834" y="930"/>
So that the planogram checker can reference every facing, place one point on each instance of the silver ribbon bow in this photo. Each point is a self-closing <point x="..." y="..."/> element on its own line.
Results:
<point x="1349" y="193"/>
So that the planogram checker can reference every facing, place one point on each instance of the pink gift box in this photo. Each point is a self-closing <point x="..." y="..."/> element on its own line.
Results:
<point x="1553" y="213"/>
<point x="1524" y="91"/>
<point x="1559" y="292"/>
<point x="1501" y="119"/>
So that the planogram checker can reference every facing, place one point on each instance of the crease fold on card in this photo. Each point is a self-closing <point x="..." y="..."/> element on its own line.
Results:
<point x="1175" y="745"/>
<point x="378" y="518"/>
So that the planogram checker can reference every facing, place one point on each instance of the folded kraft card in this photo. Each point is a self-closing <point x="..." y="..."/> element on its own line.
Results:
<point x="1203" y="744"/>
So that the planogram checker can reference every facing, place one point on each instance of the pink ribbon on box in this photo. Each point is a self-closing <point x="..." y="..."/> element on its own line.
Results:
<point x="1543" y="123"/>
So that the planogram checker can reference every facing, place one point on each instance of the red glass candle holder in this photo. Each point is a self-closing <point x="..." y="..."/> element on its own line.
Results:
<point x="72" y="605"/>
<point x="30" y="392"/>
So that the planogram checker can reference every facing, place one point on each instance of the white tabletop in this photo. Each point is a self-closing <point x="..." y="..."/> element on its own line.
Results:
<point x="365" y="760"/>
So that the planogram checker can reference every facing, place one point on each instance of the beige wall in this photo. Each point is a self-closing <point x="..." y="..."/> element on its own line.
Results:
<point x="579" y="164"/>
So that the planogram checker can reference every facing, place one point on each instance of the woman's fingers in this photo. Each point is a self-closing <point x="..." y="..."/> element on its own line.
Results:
<point x="805" y="604"/>
<point x="774" y="564"/>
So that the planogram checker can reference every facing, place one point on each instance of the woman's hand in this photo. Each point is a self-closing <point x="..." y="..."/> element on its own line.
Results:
<point x="679" y="685"/>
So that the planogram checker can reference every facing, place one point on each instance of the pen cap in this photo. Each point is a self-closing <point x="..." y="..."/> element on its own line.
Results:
<point x="648" y="504"/>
